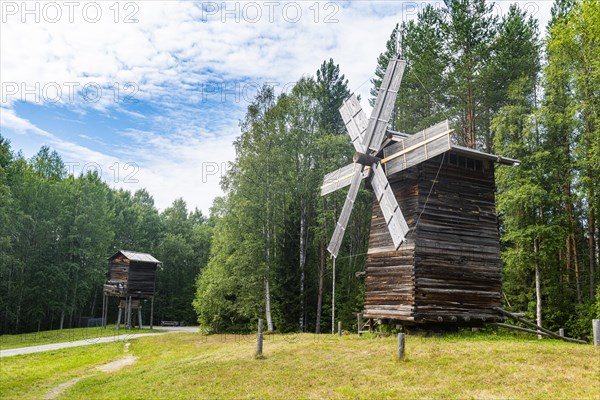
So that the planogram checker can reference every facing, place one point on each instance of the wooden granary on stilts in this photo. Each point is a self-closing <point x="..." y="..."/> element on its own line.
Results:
<point x="434" y="246"/>
<point x="131" y="278"/>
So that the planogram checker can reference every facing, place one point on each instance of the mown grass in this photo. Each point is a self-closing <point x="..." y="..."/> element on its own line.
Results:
<point x="190" y="365"/>
<point x="64" y="335"/>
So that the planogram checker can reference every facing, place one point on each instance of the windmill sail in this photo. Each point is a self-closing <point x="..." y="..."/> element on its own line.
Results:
<point x="394" y="219"/>
<point x="355" y="120"/>
<point x="340" y="228"/>
<point x="367" y="136"/>
<point x="340" y="178"/>
<point x="384" y="104"/>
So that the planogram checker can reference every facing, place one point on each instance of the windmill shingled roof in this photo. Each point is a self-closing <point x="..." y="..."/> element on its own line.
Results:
<point x="135" y="256"/>
<point x="468" y="151"/>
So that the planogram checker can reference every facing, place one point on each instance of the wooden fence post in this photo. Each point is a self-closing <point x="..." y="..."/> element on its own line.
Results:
<point x="360" y="323"/>
<point x="596" y="329"/>
<point x="259" y="339"/>
<point x="561" y="332"/>
<point x="340" y="328"/>
<point x="401" y="343"/>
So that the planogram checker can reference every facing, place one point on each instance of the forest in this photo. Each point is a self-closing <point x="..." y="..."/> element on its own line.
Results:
<point x="57" y="232"/>
<point x="508" y="87"/>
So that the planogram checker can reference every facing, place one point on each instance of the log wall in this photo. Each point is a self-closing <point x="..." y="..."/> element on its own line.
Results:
<point x="390" y="274"/>
<point x="130" y="278"/>
<point x="458" y="274"/>
<point x="448" y="269"/>
<point x="142" y="277"/>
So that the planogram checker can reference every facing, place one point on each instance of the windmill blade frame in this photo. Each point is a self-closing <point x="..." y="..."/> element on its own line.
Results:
<point x="384" y="104"/>
<point x="392" y="214"/>
<point x="355" y="120"/>
<point x="340" y="227"/>
<point x="340" y="178"/>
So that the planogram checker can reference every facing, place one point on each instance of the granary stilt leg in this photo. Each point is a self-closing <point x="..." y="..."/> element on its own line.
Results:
<point x="119" y="316"/>
<point x="103" y="309"/>
<point x="129" y="313"/>
<point x="140" y="316"/>
<point x="106" y="311"/>
<point x="152" y="313"/>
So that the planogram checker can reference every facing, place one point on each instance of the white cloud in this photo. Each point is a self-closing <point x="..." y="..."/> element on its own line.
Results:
<point x="174" y="48"/>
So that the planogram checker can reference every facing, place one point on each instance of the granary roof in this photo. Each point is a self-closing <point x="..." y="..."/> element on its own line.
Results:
<point x="135" y="256"/>
<point x="466" y="151"/>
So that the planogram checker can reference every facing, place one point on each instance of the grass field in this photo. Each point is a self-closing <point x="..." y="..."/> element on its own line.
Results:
<point x="64" y="335"/>
<point x="191" y="365"/>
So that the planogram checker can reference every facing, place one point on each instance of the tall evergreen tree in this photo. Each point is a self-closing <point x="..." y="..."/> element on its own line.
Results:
<point x="470" y="27"/>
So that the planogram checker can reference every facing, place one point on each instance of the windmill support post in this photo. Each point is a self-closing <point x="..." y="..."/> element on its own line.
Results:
<point x="259" y="338"/>
<point x="520" y="329"/>
<point x="540" y="330"/>
<point x="360" y="323"/>
<point x="339" y="328"/>
<point x="401" y="346"/>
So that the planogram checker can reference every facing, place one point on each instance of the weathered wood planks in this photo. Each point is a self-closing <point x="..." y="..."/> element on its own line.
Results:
<point x="448" y="270"/>
<point x="127" y="277"/>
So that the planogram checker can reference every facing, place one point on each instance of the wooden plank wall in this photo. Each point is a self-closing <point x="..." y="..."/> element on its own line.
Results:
<point x="141" y="278"/>
<point x="448" y="270"/>
<point x="135" y="278"/>
<point x="389" y="278"/>
<point x="458" y="274"/>
<point x="119" y="268"/>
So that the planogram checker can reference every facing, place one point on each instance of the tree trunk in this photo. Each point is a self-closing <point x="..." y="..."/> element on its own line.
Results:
<point x="591" y="197"/>
<point x="577" y="272"/>
<point x="94" y="302"/>
<point x="538" y="285"/>
<point x="320" y="293"/>
<point x="592" y="246"/>
<point x="267" y="289"/>
<point x="268" y="305"/>
<point x="302" y="263"/>
<point x="571" y="240"/>
<point x="471" y="117"/>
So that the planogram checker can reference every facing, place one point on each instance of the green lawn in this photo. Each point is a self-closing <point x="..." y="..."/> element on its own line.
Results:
<point x="190" y="365"/>
<point x="64" y="335"/>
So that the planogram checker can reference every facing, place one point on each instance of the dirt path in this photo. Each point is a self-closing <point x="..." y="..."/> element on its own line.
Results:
<point x="106" y="368"/>
<point x="117" y="365"/>
<point x="85" y="342"/>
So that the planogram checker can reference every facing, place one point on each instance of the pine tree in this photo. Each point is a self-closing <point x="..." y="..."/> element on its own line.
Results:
<point x="470" y="27"/>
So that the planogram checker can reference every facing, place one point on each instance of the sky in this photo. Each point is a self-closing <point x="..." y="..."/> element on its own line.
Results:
<point x="150" y="93"/>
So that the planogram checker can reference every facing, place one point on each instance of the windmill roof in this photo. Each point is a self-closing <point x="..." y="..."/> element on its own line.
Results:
<point x="135" y="256"/>
<point x="468" y="151"/>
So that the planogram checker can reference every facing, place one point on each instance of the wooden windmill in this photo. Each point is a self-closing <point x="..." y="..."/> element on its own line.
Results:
<point x="434" y="252"/>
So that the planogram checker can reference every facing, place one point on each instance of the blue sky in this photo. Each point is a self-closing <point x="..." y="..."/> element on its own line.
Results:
<point x="150" y="93"/>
